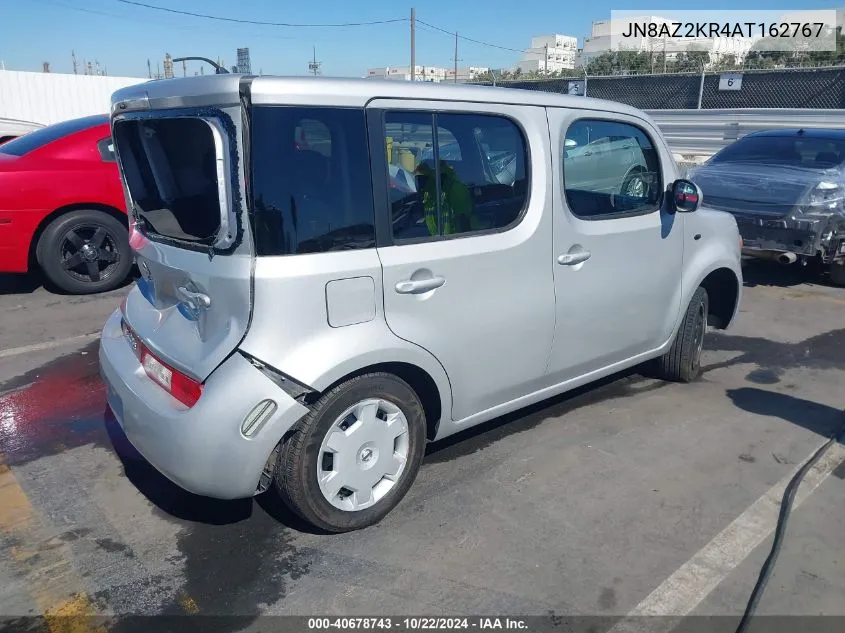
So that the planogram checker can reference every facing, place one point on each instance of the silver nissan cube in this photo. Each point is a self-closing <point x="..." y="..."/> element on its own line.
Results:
<point x="334" y="272"/>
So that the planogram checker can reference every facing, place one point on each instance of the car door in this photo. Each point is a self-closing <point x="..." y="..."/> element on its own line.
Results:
<point x="617" y="258"/>
<point x="466" y="273"/>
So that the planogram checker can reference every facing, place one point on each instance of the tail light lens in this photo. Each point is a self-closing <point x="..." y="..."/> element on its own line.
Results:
<point x="185" y="389"/>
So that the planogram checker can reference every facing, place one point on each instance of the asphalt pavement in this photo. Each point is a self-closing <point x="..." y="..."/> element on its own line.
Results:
<point x="630" y="497"/>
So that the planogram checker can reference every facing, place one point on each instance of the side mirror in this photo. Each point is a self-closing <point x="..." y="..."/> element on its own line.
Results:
<point x="686" y="196"/>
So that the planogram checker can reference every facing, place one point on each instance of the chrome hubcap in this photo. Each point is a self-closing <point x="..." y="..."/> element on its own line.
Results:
<point x="363" y="454"/>
<point x="636" y="188"/>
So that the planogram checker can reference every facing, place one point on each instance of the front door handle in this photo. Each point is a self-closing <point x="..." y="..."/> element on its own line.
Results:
<point x="570" y="259"/>
<point x="418" y="286"/>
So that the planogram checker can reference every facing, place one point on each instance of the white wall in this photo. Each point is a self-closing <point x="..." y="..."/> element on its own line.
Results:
<point x="52" y="97"/>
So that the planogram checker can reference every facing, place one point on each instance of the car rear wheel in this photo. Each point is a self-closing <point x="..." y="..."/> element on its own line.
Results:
<point x="355" y="455"/>
<point x="84" y="252"/>
<point x="682" y="363"/>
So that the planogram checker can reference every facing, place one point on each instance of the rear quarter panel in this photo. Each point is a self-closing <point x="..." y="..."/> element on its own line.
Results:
<point x="291" y="332"/>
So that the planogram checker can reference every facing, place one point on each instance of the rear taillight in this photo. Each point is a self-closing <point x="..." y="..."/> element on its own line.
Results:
<point x="185" y="389"/>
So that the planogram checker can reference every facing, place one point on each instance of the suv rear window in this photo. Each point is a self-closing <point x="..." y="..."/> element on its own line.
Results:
<point x="170" y="166"/>
<point x="311" y="180"/>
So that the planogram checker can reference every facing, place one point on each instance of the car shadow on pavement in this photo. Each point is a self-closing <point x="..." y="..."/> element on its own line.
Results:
<point x="181" y="504"/>
<point x="818" y="418"/>
<point x="760" y="272"/>
<point x="27" y="283"/>
<point x="625" y="384"/>
<point x="19" y="283"/>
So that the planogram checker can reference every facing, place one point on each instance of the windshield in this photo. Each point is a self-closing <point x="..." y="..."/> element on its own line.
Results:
<point x="796" y="151"/>
<point x="41" y="137"/>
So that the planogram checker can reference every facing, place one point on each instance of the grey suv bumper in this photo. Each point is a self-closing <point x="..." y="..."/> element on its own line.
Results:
<point x="200" y="449"/>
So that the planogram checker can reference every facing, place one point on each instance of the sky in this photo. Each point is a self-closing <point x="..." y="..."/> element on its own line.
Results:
<point x="122" y="37"/>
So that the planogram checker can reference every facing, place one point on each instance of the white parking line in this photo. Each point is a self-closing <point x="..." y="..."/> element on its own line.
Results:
<point x="681" y="592"/>
<point x="38" y="347"/>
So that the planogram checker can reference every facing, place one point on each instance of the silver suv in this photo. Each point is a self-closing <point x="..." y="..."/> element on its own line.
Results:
<point x="334" y="272"/>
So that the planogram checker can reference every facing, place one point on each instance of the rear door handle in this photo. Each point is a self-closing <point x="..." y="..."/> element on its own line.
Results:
<point x="570" y="259"/>
<point x="198" y="299"/>
<point x="418" y="286"/>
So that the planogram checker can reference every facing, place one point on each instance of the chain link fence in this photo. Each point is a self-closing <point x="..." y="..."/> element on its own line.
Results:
<point x="816" y="88"/>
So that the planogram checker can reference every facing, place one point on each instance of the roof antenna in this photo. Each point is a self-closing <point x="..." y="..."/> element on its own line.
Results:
<point x="218" y="69"/>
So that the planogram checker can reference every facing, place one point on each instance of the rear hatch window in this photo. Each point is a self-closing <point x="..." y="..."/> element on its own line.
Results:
<point x="173" y="171"/>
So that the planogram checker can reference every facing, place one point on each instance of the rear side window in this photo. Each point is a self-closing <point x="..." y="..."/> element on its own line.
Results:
<point x="454" y="174"/>
<point x="311" y="181"/>
<point x="610" y="169"/>
<point x="106" y="148"/>
<point x="36" y="139"/>
<point x="170" y="167"/>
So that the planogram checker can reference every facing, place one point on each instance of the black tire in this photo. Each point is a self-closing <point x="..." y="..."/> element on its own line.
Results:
<point x="837" y="274"/>
<point x="77" y="237"/>
<point x="296" y="469"/>
<point x="682" y="363"/>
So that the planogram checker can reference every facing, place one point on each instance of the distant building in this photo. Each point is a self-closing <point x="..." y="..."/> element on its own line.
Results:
<point x="466" y="74"/>
<point x="244" y="65"/>
<point x="403" y="73"/>
<point x="549" y="54"/>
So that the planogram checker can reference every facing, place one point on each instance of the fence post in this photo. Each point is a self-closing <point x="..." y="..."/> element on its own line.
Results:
<point x="701" y="87"/>
<point x="585" y="82"/>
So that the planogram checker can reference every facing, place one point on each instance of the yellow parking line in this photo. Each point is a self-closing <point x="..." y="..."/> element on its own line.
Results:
<point x="54" y="591"/>
<point x="72" y="616"/>
<point x="189" y="605"/>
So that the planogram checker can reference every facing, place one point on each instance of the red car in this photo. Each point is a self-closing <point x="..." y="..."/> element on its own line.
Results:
<point x="62" y="207"/>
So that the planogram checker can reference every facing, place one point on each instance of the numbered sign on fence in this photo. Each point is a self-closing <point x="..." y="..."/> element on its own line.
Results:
<point x="730" y="81"/>
<point x="576" y="87"/>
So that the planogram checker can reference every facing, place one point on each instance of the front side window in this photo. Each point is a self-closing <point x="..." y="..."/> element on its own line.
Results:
<point x="609" y="169"/>
<point x="311" y="180"/>
<point x="454" y="174"/>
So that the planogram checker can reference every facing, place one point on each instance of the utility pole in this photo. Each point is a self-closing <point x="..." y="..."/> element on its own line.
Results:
<point x="456" y="57"/>
<point x="73" y="57"/>
<point x="314" y="66"/>
<point x="184" y="68"/>
<point x="413" y="43"/>
<point x="149" y="69"/>
<point x="546" y="47"/>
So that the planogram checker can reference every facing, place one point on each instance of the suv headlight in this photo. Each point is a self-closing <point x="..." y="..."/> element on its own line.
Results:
<point x="824" y="199"/>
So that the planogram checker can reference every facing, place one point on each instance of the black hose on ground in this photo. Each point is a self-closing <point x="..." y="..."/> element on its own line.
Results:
<point x="780" y="530"/>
